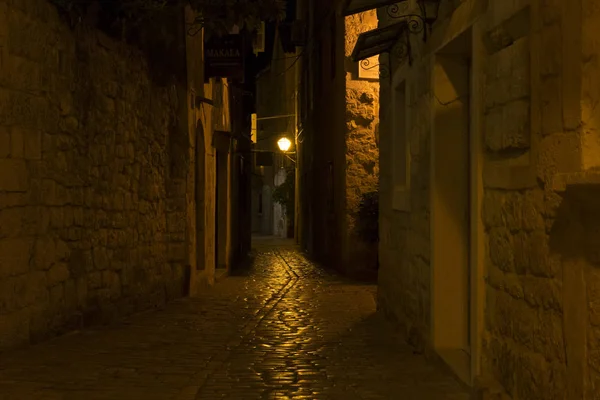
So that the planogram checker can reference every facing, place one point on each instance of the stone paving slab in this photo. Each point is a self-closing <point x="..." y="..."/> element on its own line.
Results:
<point x="284" y="329"/>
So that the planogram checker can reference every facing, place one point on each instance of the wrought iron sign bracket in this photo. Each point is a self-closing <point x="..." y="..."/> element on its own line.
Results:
<point x="400" y="51"/>
<point x="384" y="70"/>
<point x="417" y="23"/>
<point x="392" y="39"/>
<point x="366" y="65"/>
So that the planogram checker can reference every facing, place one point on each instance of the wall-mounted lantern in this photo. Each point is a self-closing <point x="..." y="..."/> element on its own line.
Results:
<point x="430" y="10"/>
<point x="284" y="144"/>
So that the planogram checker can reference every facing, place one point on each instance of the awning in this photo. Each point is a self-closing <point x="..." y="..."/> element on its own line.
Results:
<point x="377" y="41"/>
<point x="358" y="6"/>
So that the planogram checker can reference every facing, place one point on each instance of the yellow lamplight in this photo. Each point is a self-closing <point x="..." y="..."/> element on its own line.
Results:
<point x="284" y="144"/>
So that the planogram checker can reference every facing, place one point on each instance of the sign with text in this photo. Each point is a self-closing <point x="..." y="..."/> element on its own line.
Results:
<point x="224" y="57"/>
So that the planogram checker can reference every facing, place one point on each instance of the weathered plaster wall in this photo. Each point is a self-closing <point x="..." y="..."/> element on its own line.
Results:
<point x="93" y="173"/>
<point x="362" y="154"/>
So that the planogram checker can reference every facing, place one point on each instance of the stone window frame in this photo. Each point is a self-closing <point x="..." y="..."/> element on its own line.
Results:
<point x="400" y="146"/>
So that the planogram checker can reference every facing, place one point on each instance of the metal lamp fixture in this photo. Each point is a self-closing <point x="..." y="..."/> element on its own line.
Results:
<point x="429" y="10"/>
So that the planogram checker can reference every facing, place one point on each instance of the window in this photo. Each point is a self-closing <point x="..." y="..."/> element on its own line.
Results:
<point x="400" y="150"/>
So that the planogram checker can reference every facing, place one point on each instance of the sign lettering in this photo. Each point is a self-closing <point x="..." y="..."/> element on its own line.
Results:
<point x="224" y="57"/>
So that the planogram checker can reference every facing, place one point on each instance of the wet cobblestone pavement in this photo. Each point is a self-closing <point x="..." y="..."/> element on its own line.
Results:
<point x="283" y="330"/>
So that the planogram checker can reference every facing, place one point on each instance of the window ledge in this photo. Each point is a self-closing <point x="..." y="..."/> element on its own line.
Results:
<point x="561" y="182"/>
<point x="579" y="188"/>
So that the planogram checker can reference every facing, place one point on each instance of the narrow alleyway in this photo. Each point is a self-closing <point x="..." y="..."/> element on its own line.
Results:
<point x="282" y="329"/>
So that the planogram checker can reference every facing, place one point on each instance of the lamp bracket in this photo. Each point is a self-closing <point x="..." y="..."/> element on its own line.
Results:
<point x="417" y="23"/>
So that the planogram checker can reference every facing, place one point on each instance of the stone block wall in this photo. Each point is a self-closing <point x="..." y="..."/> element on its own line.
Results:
<point x="362" y="154"/>
<point x="539" y="179"/>
<point x="524" y="338"/>
<point x="590" y="161"/>
<point x="404" y="247"/>
<point x="92" y="199"/>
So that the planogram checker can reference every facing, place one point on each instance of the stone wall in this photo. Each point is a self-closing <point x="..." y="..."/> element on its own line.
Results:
<point x="523" y="343"/>
<point x="405" y="248"/>
<point x="590" y="141"/>
<point x="92" y="178"/>
<point x="362" y="154"/>
<point x="339" y="156"/>
<point x="535" y="159"/>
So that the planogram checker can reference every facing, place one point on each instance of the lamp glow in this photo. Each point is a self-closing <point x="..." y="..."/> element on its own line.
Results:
<point x="284" y="144"/>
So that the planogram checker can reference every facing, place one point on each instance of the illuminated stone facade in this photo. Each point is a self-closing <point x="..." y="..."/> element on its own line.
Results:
<point x="338" y="151"/>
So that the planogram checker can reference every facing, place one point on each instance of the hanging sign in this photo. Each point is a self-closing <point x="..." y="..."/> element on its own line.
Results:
<point x="254" y="132"/>
<point x="224" y="57"/>
<point x="369" y="68"/>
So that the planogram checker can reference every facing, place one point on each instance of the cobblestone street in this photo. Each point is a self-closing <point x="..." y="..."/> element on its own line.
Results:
<point x="283" y="329"/>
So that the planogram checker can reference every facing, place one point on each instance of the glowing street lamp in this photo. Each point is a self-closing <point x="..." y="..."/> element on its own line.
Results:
<point x="284" y="144"/>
